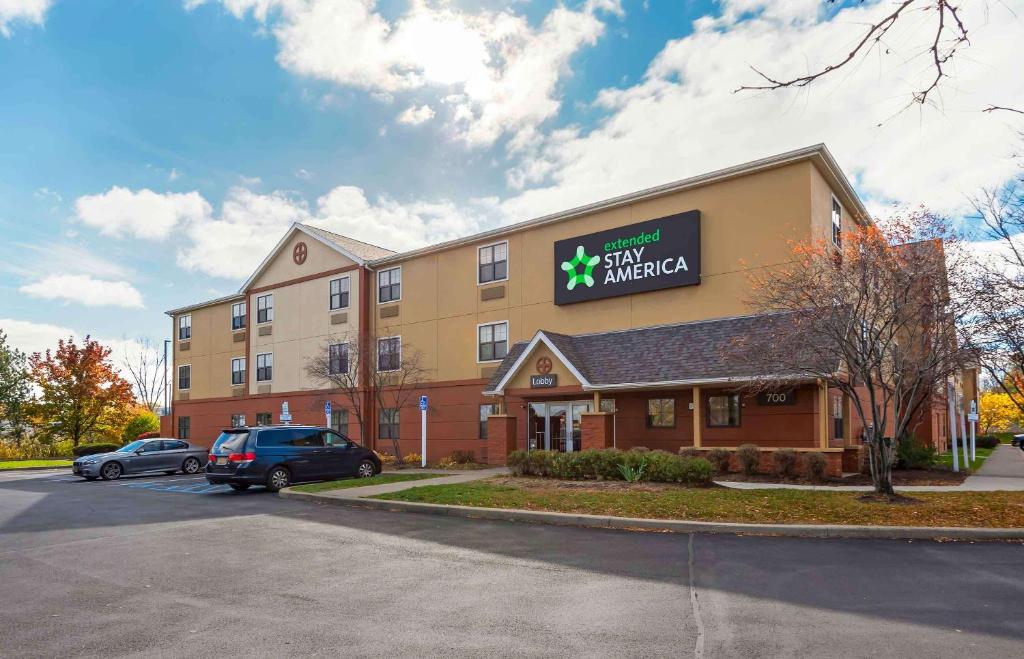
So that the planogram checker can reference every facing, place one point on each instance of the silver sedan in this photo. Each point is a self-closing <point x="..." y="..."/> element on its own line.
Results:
<point x="142" y="456"/>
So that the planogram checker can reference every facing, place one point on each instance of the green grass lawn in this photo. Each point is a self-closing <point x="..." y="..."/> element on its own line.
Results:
<point x="946" y="459"/>
<point x="381" y="479"/>
<point x="988" y="509"/>
<point x="25" y="464"/>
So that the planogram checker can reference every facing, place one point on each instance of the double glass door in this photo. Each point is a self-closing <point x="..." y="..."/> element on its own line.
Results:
<point x="556" y="426"/>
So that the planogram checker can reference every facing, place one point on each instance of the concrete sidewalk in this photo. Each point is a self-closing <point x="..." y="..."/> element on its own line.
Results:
<point x="449" y="479"/>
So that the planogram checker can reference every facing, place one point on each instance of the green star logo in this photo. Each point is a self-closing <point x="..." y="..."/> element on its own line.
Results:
<point x="588" y="263"/>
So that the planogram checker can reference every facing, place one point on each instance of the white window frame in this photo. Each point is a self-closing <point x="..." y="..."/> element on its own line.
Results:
<point x="493" y="281"/>
<point x="401" y="284"/>
<point x="832" y="221"/>
<point x="256" y="365"/>
<point x="185" y="322"/>
<point x="270" y="309"/>
<point x="245" y="310"/>
<point x="377" y="356"/>
<point x="508" y="341"/>
<point x="330" y="294"/>
<point x="242" y="371"/>
<point x="177" y="381"/>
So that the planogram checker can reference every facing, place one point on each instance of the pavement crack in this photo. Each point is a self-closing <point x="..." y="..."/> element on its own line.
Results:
<point x="698" y="647"/>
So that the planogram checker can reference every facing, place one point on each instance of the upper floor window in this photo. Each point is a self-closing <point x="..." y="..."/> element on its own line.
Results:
<point x="837" y="223"/>
<point x="661" y="412"/>
<point x="185" y="377"/>
<point x="493" y="263"/>
<point x="389" y="285"/>
<point x="724" y="410"/>
<point x="492" y="342"/>
<point x="389" y="353"/>
<point x="338" y="358"/>
<point x="238" y="370"/>
<point x="339" y="293"/>
<point x="185" y="327"/>
<point x="265" y="367"/>
<point x="265" y="308"/>
<point x="238" y="315"/>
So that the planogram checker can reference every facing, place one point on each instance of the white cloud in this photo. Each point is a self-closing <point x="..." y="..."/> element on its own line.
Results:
<point x="32" y="261"/>
<point x="32" y="337"/>
<point x="174" y="175"/>
<point x="684" y="119"/>
<point x="83" y="289"/>
<point x="28" y="11"/>
<point x="303" y="174"/>
<point x="414" y="116"/>
<point x="499" y="72"/>
<point x="141" y="214"/>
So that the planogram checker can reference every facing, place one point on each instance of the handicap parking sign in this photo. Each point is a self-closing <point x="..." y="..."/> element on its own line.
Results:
<point x="423" y="403"/>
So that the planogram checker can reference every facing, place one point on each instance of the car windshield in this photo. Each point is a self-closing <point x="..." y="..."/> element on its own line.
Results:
<point x="130" y="448"/>
<point x="230" y="441"/>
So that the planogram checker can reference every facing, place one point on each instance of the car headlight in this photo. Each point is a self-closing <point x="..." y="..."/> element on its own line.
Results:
<point x="88" y="461"/>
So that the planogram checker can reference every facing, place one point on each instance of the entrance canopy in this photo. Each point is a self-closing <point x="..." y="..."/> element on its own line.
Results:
<point x="682" y="354"/>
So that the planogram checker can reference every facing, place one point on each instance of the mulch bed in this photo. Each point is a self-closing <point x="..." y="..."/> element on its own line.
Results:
<point x="899" y="478"/>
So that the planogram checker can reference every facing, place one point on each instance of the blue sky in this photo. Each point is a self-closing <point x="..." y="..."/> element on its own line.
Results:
<point x="153" y="151"/>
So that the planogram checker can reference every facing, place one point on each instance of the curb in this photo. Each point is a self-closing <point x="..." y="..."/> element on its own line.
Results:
<point x="672" y="526"/>
<point x="17" y="469"/>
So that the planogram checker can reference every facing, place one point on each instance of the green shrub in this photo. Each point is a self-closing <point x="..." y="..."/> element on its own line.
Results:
<point x="611" y="464"/>
<point x="632" y="474"/>
<point x="784" y="462"/>
<point x="749" y="458"/>
<point x="815" y="466"/>
<point x="94" y="448"/>
<point x="910" y="454"/>
<point x="142" y="422"/>
<point x="719" y="459"/>
<point x="986" y="441"/>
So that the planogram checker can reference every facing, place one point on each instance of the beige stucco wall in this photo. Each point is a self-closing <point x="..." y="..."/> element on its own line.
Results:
<point x="210" y="352"/>
<point x="319" y="258"/>
<point x="521" y="380"/>
<point x="745" y="223"/>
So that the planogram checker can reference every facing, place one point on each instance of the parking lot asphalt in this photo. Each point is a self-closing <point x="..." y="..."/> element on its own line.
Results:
<point x="167" y="566"/>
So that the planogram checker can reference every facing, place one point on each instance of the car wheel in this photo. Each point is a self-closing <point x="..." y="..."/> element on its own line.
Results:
<point x="278" y="478"/>
<point x="191" y="466"/>
<point x="366" y="469"/>
<point x="239" y="487"/>
<point x="111" y="471"/>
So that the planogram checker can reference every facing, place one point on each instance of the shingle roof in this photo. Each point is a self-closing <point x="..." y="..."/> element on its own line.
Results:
<point x="365" y="251"/>
<point x="692" y="351"/>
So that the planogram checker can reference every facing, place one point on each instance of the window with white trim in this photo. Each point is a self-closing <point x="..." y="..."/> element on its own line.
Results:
<point x="387" y="427"/>
<point x="265" y="308"/>
<point x="185" y="377"/>
<point x="837" y="223"/>
<point x="389" y="285"/>
<point x="492" y="263"/>
<point x="238" y="370"/>
<point x="389" y="353"/>
<point x="492" y="342"/>
<point x="337" y="354"/>
<point x="339" y="421"/>
<point x="265" y="367"/>
<point x="238" y="315"/>
<point x="237" y="420"/>
<point x="185" y="327"/>
<point x="340" y="293"/>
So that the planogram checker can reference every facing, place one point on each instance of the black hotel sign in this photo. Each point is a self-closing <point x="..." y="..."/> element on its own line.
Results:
<point x="647" y="256"/>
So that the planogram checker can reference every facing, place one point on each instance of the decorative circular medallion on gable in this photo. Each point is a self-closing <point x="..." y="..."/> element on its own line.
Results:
<point x="544" y="365"/>
<point x="299" y="253"/>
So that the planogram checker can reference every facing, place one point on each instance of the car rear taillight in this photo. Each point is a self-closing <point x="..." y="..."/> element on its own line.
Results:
<point x="241" y="457"/>
<point x="211" y="458"/>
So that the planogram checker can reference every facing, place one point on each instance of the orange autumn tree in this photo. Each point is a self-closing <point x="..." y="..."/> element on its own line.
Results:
<point x="79" y="388"/>
<point x="878" y="317"/>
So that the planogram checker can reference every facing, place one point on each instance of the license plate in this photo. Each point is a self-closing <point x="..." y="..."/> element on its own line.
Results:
<point x="222" y="461"/>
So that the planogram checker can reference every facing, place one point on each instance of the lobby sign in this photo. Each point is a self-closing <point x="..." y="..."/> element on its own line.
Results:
<point x="647" y="256"/>
<point x="543" y="381"/>
<point x="771" y="398"/>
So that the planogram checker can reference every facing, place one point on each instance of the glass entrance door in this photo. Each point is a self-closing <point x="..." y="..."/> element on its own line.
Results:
<point x="556" y="426"/>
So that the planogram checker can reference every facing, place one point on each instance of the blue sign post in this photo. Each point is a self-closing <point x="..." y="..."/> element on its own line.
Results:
<point x="327" y="412"/>
<point x="423" y="431"/>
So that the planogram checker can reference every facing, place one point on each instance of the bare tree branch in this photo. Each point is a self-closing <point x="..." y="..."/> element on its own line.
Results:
<point x="144" y="364"/>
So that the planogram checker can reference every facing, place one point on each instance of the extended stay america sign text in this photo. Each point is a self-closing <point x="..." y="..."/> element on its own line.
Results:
<point x="648" y="256"/>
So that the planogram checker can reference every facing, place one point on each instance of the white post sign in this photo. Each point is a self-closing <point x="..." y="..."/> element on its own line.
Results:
<point x="963" y="431"/>
<point x="327" y="412"/>
<point x="286" y="416"/>
<point x="950" y="396"/>
<point x="423" y="431"/>
<point x="973" y="418"/>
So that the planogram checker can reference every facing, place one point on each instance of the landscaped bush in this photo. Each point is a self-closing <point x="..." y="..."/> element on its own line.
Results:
<point x="611" y="464"/>
<point x="784" y="462"/>
<point x="385" y="458"/>
<point x="143" y="422"/>
<point x="462" y="457"/>
<point x="986" y="441"/>
<point x="749" y="458"/>
<point x="412" y="458"/>
<point x="32" y="448"/>
<point x="719" y="459"/>
<point x="815" y="466"/>
<point x="911" y="454"/>
<point x="94" y="448"/>
<point x="689" y="452"/>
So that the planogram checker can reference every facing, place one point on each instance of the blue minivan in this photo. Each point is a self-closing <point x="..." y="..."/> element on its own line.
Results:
<point x="277" y="456"/>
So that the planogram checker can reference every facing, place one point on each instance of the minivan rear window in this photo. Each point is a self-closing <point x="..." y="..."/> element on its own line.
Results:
<point x="290" y="437"/>
<point x="231" y="442"/>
